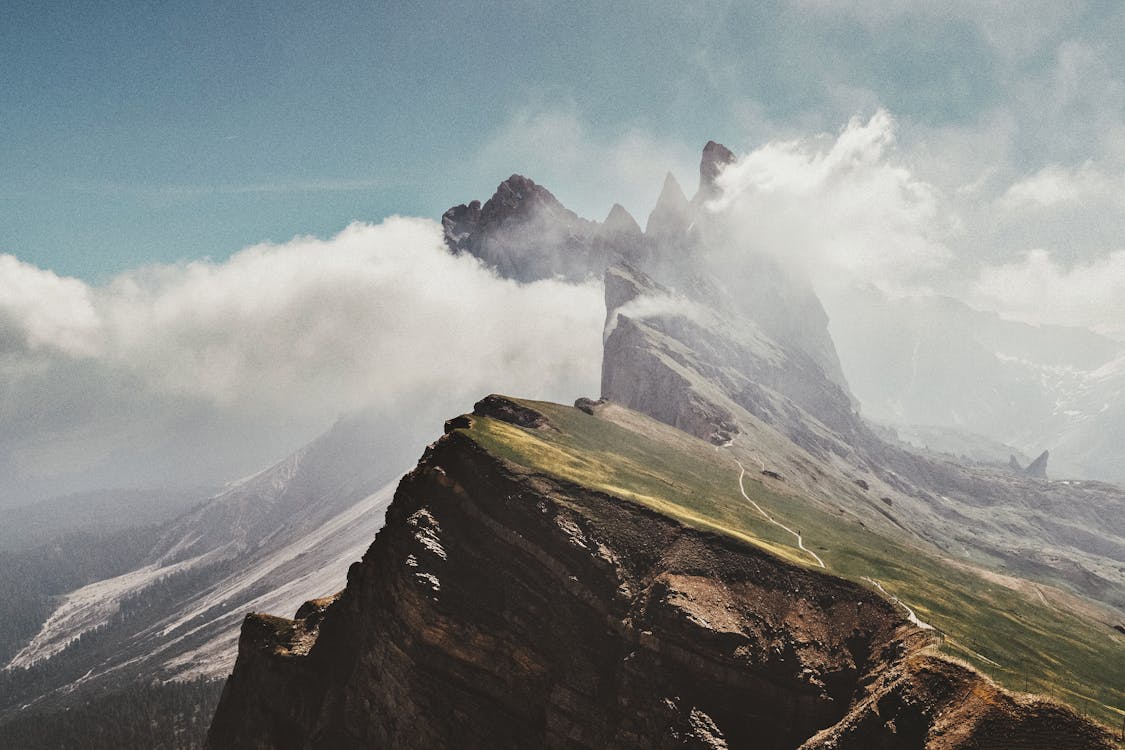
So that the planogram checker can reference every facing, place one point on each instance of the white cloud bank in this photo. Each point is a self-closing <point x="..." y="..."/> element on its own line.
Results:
<point x="271" y="345"/>
<point x="1057" y="185"/>
<point x="852" y="211"/>
<point x="837" y="206"/>
<point x="1038" y="289"/>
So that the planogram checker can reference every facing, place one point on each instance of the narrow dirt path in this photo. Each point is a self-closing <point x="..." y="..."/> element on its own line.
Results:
<point x="910" y="614"/>
<point x="768" y="517"/>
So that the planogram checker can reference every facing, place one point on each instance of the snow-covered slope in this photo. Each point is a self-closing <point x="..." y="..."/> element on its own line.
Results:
<point x="266" y="543"/>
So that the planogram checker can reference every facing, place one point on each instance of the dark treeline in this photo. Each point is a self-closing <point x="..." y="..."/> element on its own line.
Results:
<point x="172" y="716"/>
<point x="102" y="644"/>
<point x="32" y="580"/>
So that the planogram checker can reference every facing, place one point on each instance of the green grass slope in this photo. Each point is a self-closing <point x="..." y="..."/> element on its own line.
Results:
<point x="1007" y="628"/>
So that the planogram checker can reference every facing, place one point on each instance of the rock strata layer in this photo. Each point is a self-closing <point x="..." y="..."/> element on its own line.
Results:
<point x="501" y="608"/>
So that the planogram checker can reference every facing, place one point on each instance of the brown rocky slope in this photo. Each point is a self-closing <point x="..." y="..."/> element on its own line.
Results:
<point x="503" y="608"/>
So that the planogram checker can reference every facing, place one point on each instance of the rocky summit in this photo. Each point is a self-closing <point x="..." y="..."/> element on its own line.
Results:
<point x="719" y="552"/>
<point x="506" y="607"/>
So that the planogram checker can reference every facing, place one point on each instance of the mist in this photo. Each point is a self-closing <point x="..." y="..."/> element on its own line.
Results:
<point x="1025" y="350"/>
<point x="198" y="373"/>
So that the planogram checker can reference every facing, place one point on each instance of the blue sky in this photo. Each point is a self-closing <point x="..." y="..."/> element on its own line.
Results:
<point x="154" y="132"/>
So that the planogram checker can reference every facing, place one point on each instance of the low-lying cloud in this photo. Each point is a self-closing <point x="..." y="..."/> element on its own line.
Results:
<point x="1038" y="289"/>
<point x="660" y="305"/>
<point x="230" y="364"/>
<point x="837" y="206"/>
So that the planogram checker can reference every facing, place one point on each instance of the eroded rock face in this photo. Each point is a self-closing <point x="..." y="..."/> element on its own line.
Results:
<point x="672" y="360"/>
<point x="503" y="609"/>
<point x="940" y="705"/>
<point x="672" y="215"/>
<point x="715" y="157"/>
<point x="525" y="233"/>
<point x="500" y="609"/>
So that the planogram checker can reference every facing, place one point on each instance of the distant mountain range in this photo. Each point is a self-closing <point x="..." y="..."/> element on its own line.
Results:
<point x="269" y="541"/>
<point x="936" y="362"/>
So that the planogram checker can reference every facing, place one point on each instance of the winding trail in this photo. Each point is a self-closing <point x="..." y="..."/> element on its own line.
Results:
<point x="768" y="517"/>
<point x="910" y="614"/>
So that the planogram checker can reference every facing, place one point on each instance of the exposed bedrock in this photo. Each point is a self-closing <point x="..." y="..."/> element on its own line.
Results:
<point x="504" y="609"/>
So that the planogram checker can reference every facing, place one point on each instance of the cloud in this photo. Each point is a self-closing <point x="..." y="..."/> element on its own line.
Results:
<point x="1058" y="185"/>
<point x="660" y="306"/>
<point x="1038" y="289"/>
<point x="274" y="343"/>
<point x="837" y="206"/>
<point x="42" y="311"/>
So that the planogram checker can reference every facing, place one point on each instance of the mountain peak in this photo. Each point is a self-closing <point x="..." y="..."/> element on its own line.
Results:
<point x="715" y="157"/>
<point x="525" y="233"/>
<point x="672" y="211"/>
<point x="518" y="192"/>
<point x="620" y="221"/>
<point x="1038" y="467"/>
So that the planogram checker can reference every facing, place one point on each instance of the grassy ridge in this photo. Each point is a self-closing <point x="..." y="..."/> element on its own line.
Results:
<point x="1018" y="640"/>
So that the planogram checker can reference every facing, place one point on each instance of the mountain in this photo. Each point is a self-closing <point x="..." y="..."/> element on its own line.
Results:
<point x="553" y="578"/>
<point x="936" y="362"/>
<point x="730" y="344"/>
<point x="100" y="511"/>
<point x="722" y="529"/>
<point x="269" y="541"/>
<point x="719" y="552"/>
<point x="525" y="233"/>
<point x="722" y="379"/>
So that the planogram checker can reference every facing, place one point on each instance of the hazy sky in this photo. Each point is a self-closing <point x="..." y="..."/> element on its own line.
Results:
<point x="142" y="132"/>
<point x="184" y="295"/>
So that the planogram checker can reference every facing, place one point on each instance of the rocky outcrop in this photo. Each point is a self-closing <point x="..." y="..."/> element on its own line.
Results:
<point x="1038" y="467"/>
<point x="525" y="233"/>
<point x="686" y="363"/>
<point x="715" y="157"/>
<point x="506" y="410"/>
<point x="501" y="608"/>
<point x="672" y="215"/>
<point x="940" y="705"/>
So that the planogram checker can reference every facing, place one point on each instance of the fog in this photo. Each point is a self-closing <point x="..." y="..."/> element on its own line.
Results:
<point x="1026" y="349"/>
<point x="198" y="373"/>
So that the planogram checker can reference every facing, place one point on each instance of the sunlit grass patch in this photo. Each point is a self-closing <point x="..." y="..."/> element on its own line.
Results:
<point x="1011" y="636"/>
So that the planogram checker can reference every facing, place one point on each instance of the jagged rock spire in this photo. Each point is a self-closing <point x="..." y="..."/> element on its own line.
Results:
<point x="672" y="213"/>
<point x="620" y="221"/>
<point x="1038" y="467"/>
<point x="715" y="157"/>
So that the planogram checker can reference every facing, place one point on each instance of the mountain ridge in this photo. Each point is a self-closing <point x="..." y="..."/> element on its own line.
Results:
<point x="502" y="606"/>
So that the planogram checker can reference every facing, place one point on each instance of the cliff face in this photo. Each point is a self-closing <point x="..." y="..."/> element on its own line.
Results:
<point x="503" y="608"/>
<point x="679" y="360"/>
